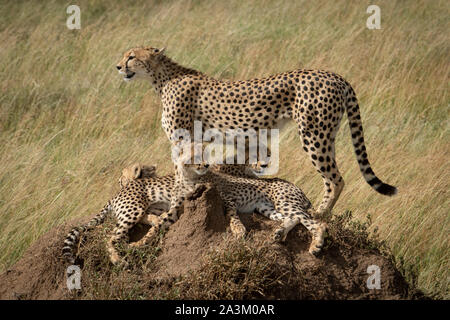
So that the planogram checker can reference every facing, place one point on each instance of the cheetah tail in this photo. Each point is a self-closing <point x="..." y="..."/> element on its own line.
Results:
<point x="356" y="130"/>
<point x="73" y="237"/>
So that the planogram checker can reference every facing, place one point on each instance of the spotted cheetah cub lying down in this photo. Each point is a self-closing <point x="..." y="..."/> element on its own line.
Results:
<point x="142" y="198"/>
<point x="142" y="194"/>
<point x="274" y="198"/>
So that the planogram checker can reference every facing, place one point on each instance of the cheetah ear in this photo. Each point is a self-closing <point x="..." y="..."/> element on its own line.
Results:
<point x="148" y="171"/>
<point x="137" y="171"/>
<point x="159" y="53"/>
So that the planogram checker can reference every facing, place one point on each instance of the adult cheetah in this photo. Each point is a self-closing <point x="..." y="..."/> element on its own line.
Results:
<point x="316" y="100"/>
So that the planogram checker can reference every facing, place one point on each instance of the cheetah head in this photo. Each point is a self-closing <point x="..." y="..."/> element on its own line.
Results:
<point x="258" y="168"/>
<point x="192" y="172"/>
<point x="136" y="171"/>
<point x="139" y="62"/>
<point x="195" y="170"/>
<point x="188" y="165"/>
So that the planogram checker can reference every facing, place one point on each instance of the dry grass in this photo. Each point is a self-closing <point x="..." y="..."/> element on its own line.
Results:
<point x="68" y="123"/>
<point x="238" y="270"/>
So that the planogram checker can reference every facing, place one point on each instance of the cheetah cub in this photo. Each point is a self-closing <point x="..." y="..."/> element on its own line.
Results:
<point x="142" y="193"/>
<point x="274" y="198"/>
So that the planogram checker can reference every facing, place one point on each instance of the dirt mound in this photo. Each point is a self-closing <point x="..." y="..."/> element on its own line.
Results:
<point x="39" y="274"/>
<point x="198" y="259"/>
<point x="199" y="229"/>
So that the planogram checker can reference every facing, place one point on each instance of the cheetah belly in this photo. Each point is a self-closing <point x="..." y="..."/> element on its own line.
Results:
<point x="158" y="208"/>
<point x="247" y="207"/>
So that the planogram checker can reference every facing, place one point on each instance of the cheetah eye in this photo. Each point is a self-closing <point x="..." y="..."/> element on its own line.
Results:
<point x="131" y="57"/>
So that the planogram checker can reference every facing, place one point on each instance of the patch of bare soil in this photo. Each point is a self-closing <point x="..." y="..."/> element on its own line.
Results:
<point x="186" y="241"/>
<point x="39" y="273"/>
<point x="198" y="259"/>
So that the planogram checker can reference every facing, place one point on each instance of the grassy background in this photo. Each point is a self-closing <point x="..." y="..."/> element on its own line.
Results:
<point x="69" y="124"/>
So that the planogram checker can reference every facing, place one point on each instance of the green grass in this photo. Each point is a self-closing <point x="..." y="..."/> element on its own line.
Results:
<point x="69" y="124"/>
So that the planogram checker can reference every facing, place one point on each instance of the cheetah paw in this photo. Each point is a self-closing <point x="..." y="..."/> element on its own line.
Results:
<point x="238" y="230"/>
<point x="278" y="236"/>
<point x="115" y="259"/>
<point x="315" y="248"/>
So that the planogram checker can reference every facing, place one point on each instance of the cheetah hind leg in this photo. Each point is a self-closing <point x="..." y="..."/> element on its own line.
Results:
<point x="317" y="229"/>
<point x="118" y="235"/>
<point x="322" y="156"/>
<point x="287" y="225"/>
<point x="267" y="209"/>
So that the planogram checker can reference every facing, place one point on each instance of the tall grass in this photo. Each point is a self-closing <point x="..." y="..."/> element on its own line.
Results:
<point x="68" y="123"/>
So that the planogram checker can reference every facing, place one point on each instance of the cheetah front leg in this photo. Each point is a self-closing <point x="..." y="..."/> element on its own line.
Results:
<point x="236" y="225"/>
<point x="151" y="220"/>
<point x="161" y="222"/>
<point x="158" y="223"/>
<point x="119" y="234"/>
<point x="154" y="222"/>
